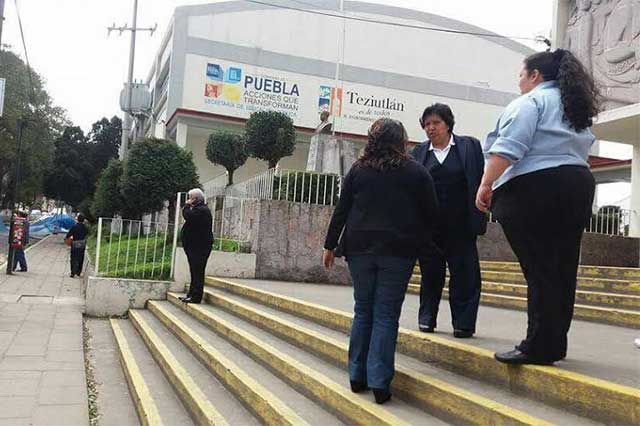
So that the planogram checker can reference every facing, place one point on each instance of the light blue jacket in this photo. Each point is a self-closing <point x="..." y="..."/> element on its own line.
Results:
<point x="532" y="134"/>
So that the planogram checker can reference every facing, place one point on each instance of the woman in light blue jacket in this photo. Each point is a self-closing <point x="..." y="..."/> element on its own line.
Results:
<point x="538" y="185"/>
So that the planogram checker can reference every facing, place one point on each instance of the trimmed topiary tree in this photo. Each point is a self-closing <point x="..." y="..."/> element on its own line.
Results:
<point x="155" y="170"/>
<point x="227" y="149"/>
<point x="270" y="136"/>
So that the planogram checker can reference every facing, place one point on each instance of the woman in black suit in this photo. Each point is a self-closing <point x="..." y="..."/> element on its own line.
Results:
<point x="456" y="164"/>
<point x="386" y="211"/>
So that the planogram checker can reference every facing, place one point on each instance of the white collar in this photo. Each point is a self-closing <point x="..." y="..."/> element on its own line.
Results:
<point x="451" y="143"/>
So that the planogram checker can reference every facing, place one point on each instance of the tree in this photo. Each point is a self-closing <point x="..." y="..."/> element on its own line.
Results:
<point x="227" y="149"/>
<point x="69" y="178"/>
<point x="26" y="98"/>
<point x="105" y="137"/>
<point x="270" y="136"/>
<point x="78" y="161"/>
<point x="107" y="200"/>
<point x="155" y="170"/>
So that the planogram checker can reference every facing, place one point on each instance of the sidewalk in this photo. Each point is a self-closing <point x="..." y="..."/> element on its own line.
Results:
<point x="42" y="375"/>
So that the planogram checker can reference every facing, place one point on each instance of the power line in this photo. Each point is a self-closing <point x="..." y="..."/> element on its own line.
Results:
<point x="395" y="24"/>
<point x="26" y="55"/>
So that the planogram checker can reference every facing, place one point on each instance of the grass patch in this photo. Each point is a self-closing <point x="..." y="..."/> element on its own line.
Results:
<point x="233" y="246"/>
<point x="146" y="257"/>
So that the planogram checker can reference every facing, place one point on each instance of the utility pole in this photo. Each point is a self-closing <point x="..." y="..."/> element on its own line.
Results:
<point x="127" y="122"/>
<point x="1" y="19"/>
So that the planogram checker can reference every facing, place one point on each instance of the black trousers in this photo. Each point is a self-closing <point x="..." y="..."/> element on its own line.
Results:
<point x="197" y="264"/>
<point x="460" y="253"/>
<point x="543" y="215"/>
<point x="77" y="260"/>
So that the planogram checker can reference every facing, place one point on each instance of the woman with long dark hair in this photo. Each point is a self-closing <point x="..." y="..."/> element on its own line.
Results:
<point x="385" y="213"/>
<point x="538" y="185"/>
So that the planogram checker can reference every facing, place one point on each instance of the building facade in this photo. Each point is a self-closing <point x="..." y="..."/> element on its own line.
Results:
<point x="220" y="62"/>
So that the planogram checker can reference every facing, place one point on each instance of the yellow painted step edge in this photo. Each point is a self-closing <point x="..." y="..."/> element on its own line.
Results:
<point x="195" y="400"/>
<point x="355" y="408"/>
<point x="584" y="395"/>
<point x="614" y="300"/>
<point x="436" y="395"/>
<point x="146" y="407"/>
<point x="599" y="314"/>
<point x="264" y="404"/>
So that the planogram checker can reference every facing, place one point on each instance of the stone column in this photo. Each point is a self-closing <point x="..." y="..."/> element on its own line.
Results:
<point x="181" y="134"/>
<point x="561" y="13"/>
<point x="634" y="205"/>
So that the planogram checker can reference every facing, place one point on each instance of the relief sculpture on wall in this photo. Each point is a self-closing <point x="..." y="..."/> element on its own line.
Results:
<point x="605" y="36"/>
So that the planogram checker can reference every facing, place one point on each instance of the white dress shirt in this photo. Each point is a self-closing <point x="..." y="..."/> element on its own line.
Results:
<point x="441" y="154"/>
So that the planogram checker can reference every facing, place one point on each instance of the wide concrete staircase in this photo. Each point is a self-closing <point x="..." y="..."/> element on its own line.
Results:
<point x="606" y="295"/>
<point x="254" y="354"/>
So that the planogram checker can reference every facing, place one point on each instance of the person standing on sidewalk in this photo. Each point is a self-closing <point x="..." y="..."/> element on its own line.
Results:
<point x="538" y="185"/>
<point x="456" y="164"/>
<point x="385" y="213"/>
<point x="19" y="255"/>
<point x="197" y="241"/>
<point x="77" y="238"/>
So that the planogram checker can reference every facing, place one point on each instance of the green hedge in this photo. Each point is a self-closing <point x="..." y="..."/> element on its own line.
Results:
<point x="322" y="187"/>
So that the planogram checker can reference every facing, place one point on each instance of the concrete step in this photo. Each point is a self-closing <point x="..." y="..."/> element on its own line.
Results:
<point x="585" y="271"/>
<point x="590" y="298"/>
<point x="204" y="397"/>
<point x="260" y="390"/>
<point x="318" y="380"/>
<point x="603" y="285"/>
<point x="602" y="315"/>
<point x="153" y="397"/>
<point x="572" y="391"/>
<point x="435" y="390"/>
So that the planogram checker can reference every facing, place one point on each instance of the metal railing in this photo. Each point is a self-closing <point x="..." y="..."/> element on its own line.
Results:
<point x="133" y="249"/>
<point x="610" y="220"/>
<point x="282" y="184"/>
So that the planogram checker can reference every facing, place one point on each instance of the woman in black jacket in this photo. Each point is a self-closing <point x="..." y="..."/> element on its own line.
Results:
<point x="385" y="212"/>
<point x="197" y="240"/>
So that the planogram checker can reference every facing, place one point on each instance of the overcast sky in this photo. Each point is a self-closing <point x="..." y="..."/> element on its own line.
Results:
<point x="85" y="69"/>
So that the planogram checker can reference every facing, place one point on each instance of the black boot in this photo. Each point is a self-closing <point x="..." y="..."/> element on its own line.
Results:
<point x="357" y="387"/>
<point x="381" y="395"/>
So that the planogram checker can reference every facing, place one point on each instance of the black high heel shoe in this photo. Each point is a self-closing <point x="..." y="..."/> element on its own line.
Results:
<point x="357" y="387"/>
<point x="381" y="395"/>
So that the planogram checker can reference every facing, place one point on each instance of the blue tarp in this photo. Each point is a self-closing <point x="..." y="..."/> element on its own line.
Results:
<point x="56" y="223"/>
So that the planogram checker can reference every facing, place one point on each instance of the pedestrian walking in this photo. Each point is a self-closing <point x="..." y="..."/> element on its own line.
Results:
<point x="385" y="214"/>
<point x="77" y="239"/>
<point x="456" y="164"/>
<point x="19" y="257"/>
<point x="197" y="241"/>
<point x="538" y="185"/>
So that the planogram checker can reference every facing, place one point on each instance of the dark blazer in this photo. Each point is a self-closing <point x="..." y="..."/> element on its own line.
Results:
<point x="196" y="232"/>
<point x="470" y="152"/>
<point x="384" y="213"/>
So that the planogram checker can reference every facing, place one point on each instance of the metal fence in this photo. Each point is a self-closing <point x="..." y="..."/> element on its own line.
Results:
<point x="126" y="248"/>
<point x="610" y="220"/>
<point x="282" y="184"/>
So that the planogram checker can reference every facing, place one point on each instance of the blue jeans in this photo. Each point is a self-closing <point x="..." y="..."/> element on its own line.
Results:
<point x="379" y="287"/>
<point x="19" y="258"/>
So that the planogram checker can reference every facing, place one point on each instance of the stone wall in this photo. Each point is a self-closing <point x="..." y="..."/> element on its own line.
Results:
<point x="597" y="249"/>
<point x="603" y="250"/>
<point x="288" y="239"/>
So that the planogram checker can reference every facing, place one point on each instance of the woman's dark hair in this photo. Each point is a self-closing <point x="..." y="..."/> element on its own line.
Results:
<point x="386" y="148"/>
<point x="80" y="218"/>
<point x="578" y="90"/>
<point x="441" y="110"/>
